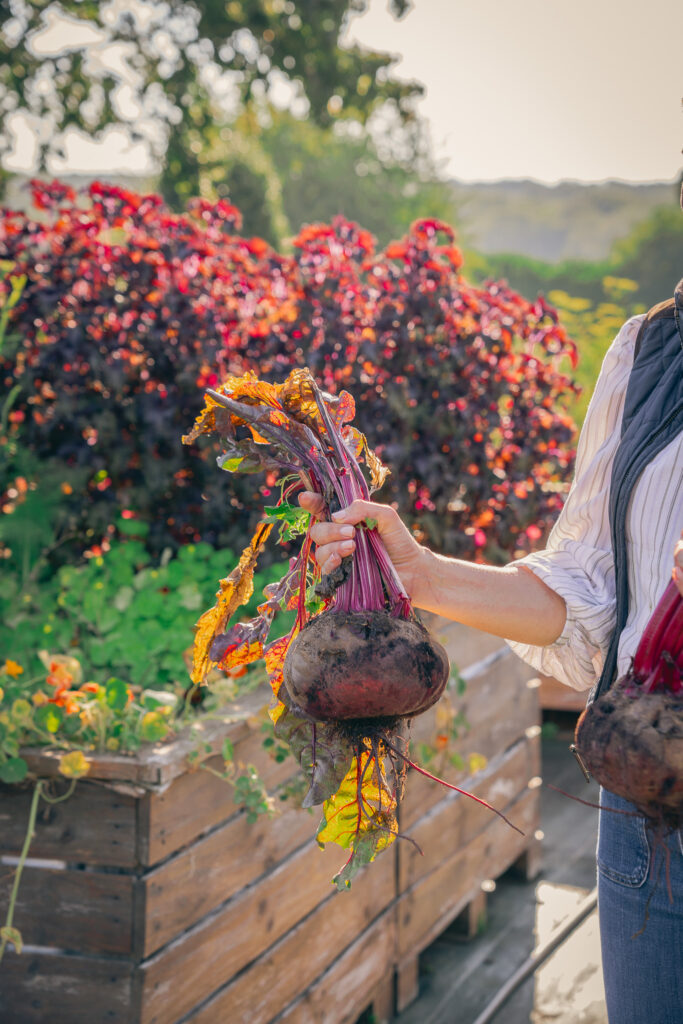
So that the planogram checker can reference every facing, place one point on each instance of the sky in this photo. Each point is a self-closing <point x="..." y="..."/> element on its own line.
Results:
<point x="544" y="89"/>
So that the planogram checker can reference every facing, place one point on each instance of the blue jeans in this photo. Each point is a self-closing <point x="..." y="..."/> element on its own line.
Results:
<point x="642" y="962"/>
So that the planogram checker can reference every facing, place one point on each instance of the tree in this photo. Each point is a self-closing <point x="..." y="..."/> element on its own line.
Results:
<point x="168" y="71"/>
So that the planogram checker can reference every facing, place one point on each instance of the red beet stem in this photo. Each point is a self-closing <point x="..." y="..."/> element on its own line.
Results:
<point x="662" y="635"/>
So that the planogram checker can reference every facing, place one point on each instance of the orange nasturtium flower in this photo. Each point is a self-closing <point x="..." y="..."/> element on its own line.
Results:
<point x="12" y="668"/>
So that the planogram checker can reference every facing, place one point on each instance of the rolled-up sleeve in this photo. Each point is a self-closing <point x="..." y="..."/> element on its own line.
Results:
<point x="577" y="562"/>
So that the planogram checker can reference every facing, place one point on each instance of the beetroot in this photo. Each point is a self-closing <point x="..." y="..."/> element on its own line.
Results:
<point x="631" y="738"/>
<point x="364" y="665"/>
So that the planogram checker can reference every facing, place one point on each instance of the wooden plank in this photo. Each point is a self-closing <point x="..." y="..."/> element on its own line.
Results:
<point x="482" y="699"/>
<point x="456" y="819"/>
<point x="290" y="966"/>
<point x="96" y="825"/>
<point x="347" y="988"/>
<point x="37" y="988"/>
<point x="198" y="801"/>
<point x="84" y="911"/>
<point x="464" y="644"/>
<point x="407" y="982"/>
<point x="204" y="875"/>
<point x="426" y="909"/>
<point x="555" y="696"/>
<point x="211" y="953"/>
<point x="492" y="731"/>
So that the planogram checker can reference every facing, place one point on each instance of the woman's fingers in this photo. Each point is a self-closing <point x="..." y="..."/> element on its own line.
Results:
<point x="312" y="502"/>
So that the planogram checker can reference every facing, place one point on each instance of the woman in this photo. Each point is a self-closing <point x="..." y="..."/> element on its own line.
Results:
<point x="559" y="609"/>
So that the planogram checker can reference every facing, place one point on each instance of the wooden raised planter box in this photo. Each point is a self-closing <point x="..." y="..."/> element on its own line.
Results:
<point x="149" y="898"/>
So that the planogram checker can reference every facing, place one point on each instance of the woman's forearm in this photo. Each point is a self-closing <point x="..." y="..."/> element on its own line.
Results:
<point x="508" y="601"/>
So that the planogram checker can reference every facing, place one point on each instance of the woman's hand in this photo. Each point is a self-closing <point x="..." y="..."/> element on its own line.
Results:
<point x="334" y="540"/>
<point x="677" y="573"/>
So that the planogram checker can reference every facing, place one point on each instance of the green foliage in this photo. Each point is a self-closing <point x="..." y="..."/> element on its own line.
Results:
<point x="122" y="612"/>
<point x="325" y="172"/>
<point x="180" y="51"/>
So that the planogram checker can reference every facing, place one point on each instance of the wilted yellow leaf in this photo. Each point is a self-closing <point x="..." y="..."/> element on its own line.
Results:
<point x="476" y="763"/>
<point x="234" y="591"/>
<point x="349" y="819"/>
<point x="74" y="764"/>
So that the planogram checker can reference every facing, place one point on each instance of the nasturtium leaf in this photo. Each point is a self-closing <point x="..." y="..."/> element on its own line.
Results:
<point x="153" y="727"/>
<point x="133" y="527"/>
<point x="14" y="769"/>
<point x="21" y="710"/>
<point x="228" y="750"/>
<point x="74" y="764"/>
<point x="49" y="717"/>
<point x="116" y="694"/>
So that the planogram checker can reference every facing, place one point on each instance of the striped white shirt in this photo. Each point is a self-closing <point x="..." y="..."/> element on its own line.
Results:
<point x="578" y="563"/>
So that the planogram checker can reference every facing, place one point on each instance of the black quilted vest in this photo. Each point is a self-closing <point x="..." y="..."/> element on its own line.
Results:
<point x="653" y="416"/>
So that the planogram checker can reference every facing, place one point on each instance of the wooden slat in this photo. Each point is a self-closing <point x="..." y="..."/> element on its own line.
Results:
<point x="500" y="712"/>
<point x="555" y="696"/>
<point x="84" y="911"/>
<point x="346" y="988"/>
<point x="37" y="988"/>
<point x="464" y="644"/>
<point x="435" y="900"/>
<point x="96" y="825"/>
<point x="207" y="956"/>
<point x="204" y="875"/>
<point x="198" y="801"/>
<point x="294" y="963"/>
<point x="456" y="819"/>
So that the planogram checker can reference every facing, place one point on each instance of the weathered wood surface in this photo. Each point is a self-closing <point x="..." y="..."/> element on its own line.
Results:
<point x="213" y="952"/>
<point x="429" y="905"/>
<point x="499" y="712"/>
<point x="96" y="825"/>
<point x="197" y="801"/>
<point x="465" y="975"/>
<point x="353" y="982"/>
<point x="289" y="967"/>
<point x="85" y="911"/>
<point x="36" y="988"/>
<point x="456" y="819"/>
<point x="555" y="696"/>
<point x="207" y="873"/>
<point x="465" y="645"/>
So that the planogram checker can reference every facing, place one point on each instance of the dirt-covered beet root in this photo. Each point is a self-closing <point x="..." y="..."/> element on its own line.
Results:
<point x="364" y="665"/>
<point x="633" y="745"/>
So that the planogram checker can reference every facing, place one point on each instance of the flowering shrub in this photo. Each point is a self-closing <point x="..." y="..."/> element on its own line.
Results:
<point x="460" y="389"/>
<point x="129" y="310"/>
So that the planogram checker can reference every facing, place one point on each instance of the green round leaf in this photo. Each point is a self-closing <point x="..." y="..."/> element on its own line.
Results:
<point x="49" y="717"/>
<point x="153" y="727"/>
<point x="13" y="770"/>
<point x="116" y="694"/>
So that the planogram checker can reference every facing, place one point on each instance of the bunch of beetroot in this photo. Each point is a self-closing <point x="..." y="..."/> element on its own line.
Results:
<point x="357" y="663"/>
<point x="631" y="738"/>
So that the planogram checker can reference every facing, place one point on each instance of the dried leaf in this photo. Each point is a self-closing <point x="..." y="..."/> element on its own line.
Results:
<point x="234" y="591"/>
